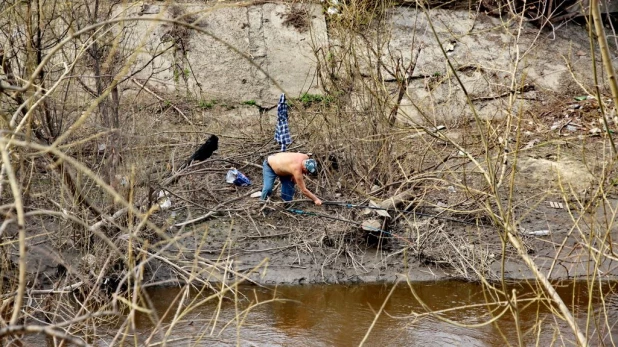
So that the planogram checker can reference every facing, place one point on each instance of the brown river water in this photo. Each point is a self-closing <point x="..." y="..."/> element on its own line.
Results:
<point x="341" y="315"/>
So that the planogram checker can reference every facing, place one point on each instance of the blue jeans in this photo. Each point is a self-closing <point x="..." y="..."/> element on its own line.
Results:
<point x="287" y="185"/>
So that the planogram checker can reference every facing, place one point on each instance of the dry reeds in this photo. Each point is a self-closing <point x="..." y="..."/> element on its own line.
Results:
<point x="101" y="205"/>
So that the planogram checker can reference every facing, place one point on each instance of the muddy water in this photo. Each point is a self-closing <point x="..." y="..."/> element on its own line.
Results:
<point x="338" y="315"/>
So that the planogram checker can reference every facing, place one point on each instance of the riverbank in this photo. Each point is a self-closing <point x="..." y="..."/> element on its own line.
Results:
<point x="313" y="250"/>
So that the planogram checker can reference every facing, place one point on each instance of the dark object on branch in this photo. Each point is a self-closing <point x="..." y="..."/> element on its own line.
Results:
<point x="205" y="151"/>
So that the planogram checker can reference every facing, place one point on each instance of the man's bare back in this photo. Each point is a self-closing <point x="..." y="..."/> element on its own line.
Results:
<point x="288" y="164"/>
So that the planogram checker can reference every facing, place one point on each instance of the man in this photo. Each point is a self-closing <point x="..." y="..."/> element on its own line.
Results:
<point x="289" y="167"/>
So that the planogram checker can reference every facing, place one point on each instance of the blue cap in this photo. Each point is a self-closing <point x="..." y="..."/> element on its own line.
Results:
<point x="311" y="166"/>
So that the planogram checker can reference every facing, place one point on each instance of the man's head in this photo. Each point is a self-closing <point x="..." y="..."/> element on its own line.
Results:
<point x="311" y="166"/>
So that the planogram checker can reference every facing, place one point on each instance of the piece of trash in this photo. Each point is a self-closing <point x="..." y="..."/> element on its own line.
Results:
<point x="556" y="125"/>
<point x="449" y="47"/>
<point x="332" y="11"/>
<point x="595" y="131"/>
<point x="237" y="178"/>
<point x="575" y="106"/>
<point x="164" y="200"/>
<point x="256" y="195"/>
<point x="461" y="154"/>
<point x="101" y="148"/>
<point x="553" y="204"/>
<point x="383" y="213"/>
<point x="120" y="181"/>
<point x="544" y="232"/>
<point x="581" y="98"/>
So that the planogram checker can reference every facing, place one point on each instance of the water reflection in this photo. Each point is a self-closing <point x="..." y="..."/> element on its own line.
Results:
<point x="337" y="315"/>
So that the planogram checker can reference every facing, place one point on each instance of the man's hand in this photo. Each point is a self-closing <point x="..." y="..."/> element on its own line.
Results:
<point x="318" y="202"/>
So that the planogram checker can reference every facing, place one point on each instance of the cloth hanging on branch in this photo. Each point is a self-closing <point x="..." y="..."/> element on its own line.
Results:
<point x="282" y="132"/>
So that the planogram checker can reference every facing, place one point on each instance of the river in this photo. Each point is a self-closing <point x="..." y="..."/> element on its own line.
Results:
<point x="341" y="315"/>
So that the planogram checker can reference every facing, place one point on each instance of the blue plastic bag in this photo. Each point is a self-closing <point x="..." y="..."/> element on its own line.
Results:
<point x="237" y="178"/>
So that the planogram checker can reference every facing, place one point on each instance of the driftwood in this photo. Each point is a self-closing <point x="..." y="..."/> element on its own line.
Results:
<point x="388" y="204"/>
<point x="68" y="289"/>
<point x="392" y="202"/>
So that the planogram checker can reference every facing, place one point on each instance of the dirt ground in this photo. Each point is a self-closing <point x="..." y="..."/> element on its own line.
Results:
<point x="439" y="232"/>
<point x="443" y="235"/>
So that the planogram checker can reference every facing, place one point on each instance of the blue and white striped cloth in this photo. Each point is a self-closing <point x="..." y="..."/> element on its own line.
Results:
<point x="282" y="132"/>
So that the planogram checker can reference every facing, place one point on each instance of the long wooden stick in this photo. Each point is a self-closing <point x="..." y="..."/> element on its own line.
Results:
<point x="549" y="288"/>
<point x="607" y="62"/>
<point x="21" y="224"/>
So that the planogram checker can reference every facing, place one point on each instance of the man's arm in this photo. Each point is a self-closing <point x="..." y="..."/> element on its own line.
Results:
<point x="298" y="177"/>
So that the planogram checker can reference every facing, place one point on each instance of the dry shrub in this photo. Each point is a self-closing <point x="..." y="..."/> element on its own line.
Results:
<point x="297" y="17"/>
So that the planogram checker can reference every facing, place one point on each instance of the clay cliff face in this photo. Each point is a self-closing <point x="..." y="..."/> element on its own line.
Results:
<point x="256" y="52"/>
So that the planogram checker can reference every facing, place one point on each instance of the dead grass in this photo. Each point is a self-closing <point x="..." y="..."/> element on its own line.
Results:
<point x="297" y="17"/>
<point x="364" y="155"/>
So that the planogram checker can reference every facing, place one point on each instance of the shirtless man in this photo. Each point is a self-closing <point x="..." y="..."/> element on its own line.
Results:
<point x="289" y="167"/>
